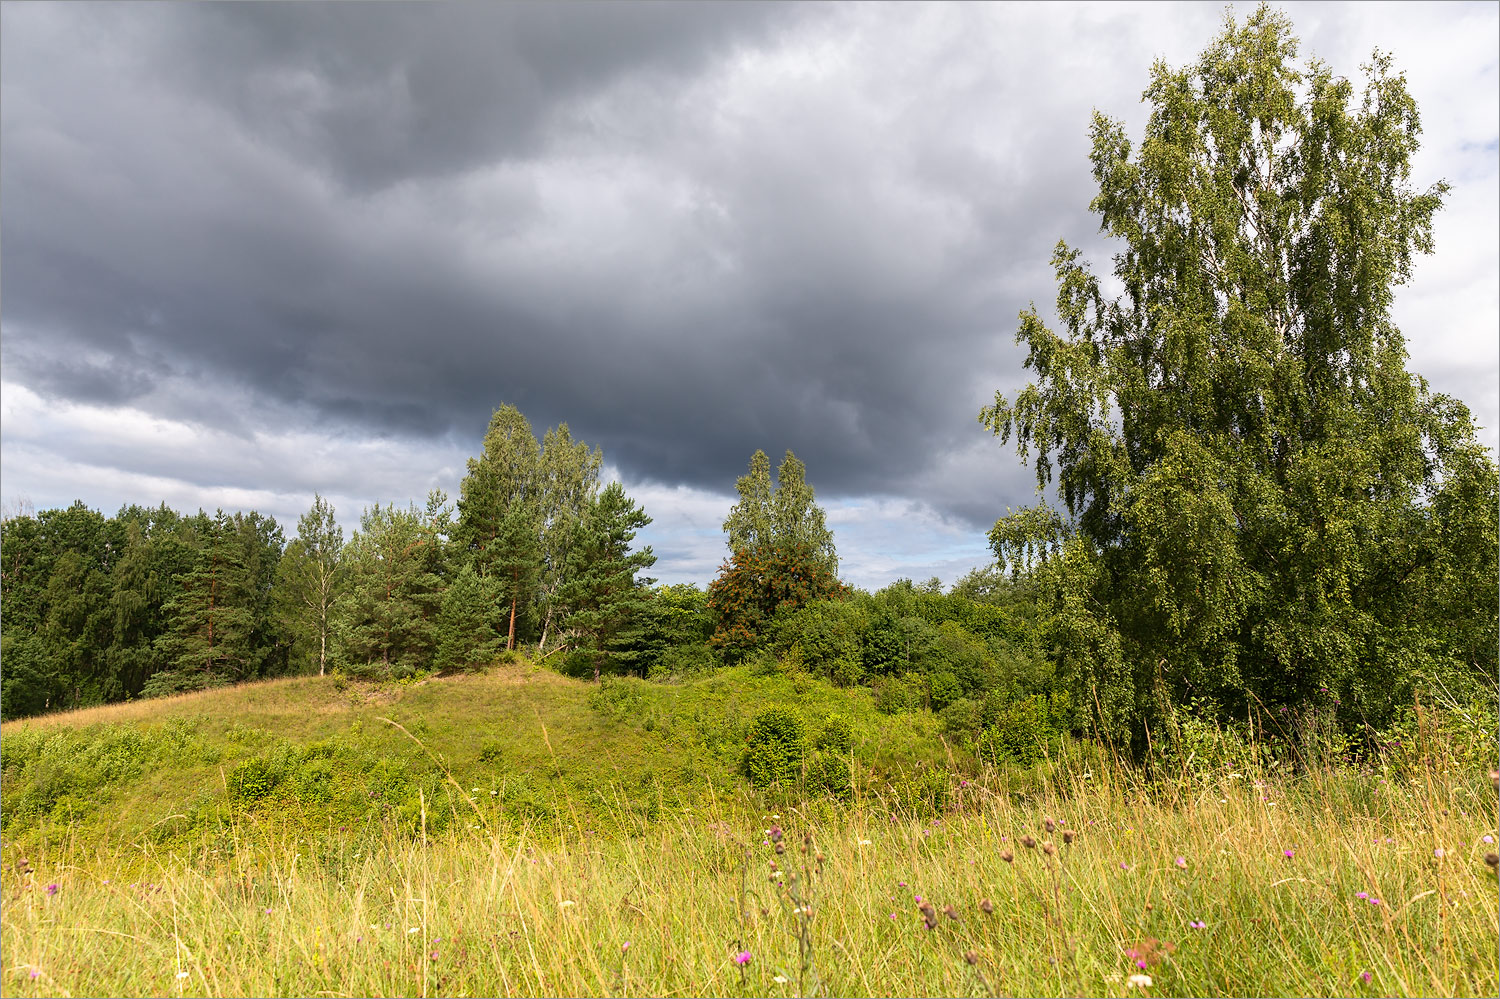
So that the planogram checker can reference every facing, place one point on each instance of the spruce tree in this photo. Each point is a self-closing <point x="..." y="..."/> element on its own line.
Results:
<point x="387" y="615"/>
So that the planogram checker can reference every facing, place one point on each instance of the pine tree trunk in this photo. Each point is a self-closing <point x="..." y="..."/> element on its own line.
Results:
<point x="510" y="639"/>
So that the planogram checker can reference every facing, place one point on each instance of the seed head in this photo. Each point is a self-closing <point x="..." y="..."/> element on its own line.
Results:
<point x="775" y="834"/>
<point x="1051" y="825"/>
<point x="1492" y="859"/>
<point x="951" y="913"/>
<point x="780" y="849"/>
<point x="1007" y="856"/>
<point x="1029" y="842"/>
<point x="1069" y="836"/>
<point x="1048" y="848"/>
<point x="971" y="957"/>
<point x="986" y="907"/>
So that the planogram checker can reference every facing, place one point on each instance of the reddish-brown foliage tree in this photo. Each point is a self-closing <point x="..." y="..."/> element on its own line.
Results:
<point x="756" y="583"/>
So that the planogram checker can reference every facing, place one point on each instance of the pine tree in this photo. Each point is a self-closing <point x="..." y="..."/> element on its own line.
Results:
<point x="466" y="638"/>
<point x="209" y="638"/>
<point x="386" y="618"/>
<point x="569" y="482"/>
<point x="500" y="512"/>
<point x="607" y="603"/>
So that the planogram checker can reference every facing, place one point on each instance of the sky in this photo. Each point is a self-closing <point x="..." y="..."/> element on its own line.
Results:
<point x="253" y="251"/>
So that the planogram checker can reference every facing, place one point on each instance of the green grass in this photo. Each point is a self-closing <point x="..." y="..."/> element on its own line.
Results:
<point x="624" y="802"/>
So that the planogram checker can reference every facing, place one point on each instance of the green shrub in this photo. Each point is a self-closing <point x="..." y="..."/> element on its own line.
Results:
<point x="836" y="734"/>
<point x="1020" y="733"/>
<point x="945" y="689"/>
<point x="775" y="748"/>
<point x="314" y="781"/>
<point x="254" y="779"/>
<point x="828" y="773"/>
<point x="964" y="717"/>
<point x="847" y="670"/>
<point x="893" y="695"/>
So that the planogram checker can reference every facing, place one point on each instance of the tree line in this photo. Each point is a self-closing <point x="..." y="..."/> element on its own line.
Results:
<point x="152" y="602"/>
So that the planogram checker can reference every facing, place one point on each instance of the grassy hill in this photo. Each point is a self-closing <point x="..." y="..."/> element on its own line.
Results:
<point x="519" y="742"/>
<point x="583" y="839"/>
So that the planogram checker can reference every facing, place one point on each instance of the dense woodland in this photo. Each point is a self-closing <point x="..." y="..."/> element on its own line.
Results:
<point x="1261" y="516"/>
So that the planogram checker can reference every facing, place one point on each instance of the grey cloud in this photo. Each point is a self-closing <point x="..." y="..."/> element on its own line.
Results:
<point x="689" y="231"/>
<point x="383" y="93"/>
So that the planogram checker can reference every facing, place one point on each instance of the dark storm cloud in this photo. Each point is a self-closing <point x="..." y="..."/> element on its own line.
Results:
<point x="382" y="93"/>
<point x="688" y="230"/>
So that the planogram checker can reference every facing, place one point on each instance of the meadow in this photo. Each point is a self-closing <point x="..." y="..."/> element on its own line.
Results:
<point x="521" y="833"/>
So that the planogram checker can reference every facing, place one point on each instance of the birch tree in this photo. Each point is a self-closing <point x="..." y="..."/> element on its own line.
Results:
<point x="311" y="578"/>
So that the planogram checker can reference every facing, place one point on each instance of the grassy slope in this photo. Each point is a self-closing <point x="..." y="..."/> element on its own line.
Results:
<point x="537" y="894"/>
<point x="532" y="736"/>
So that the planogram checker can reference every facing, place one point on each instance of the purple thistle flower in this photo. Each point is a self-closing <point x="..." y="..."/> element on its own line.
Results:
<point x="1365" y="976"/>
<point x="1288" y="853"/>
<point x="1181" y="862"/>
<point x="52" y="889"/>
<point x="1361" y="894"/>
<point x="742" y="958"/>
<point x="1198" y="924"/>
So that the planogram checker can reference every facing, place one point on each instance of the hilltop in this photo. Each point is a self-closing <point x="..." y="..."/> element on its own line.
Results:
<point x="518" y="740"/>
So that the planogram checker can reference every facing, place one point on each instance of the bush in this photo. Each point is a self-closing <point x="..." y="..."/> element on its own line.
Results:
<point x="254" y="779"/>
<point x="836" y="735"/>
<point x="946" y="689"/>
<point x="894" y="695"/>
<point x="1021" y="732"/>
<point x="829" y="774"/>
<point x="964" y="717"/>
<point x="775" y="748"/>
